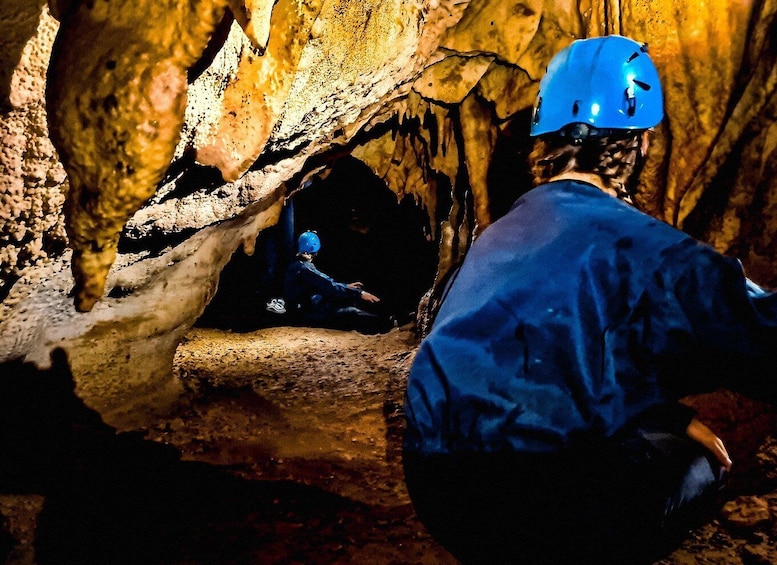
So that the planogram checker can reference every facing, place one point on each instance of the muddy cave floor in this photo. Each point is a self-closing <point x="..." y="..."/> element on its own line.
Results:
<point x="285" y="449"/>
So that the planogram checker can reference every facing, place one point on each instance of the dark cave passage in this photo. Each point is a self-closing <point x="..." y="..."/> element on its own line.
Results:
<point x="366" y="235"/>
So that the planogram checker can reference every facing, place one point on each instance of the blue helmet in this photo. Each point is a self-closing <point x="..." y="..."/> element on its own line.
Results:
<point x="308" y="242"/>
<point x="598" y="85"/>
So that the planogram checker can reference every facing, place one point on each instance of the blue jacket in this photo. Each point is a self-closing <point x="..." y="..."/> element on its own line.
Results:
<point x="313" y="294"/>
<point x="573" y="314"/>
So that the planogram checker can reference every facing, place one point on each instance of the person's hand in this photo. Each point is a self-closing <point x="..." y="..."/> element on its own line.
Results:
<point x="702" y="434"/>
<point x="369" y="297"/>
<point x="355" y="285"/>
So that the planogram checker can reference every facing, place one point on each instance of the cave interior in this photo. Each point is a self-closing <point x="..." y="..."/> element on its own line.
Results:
<point x="158" y="162"/>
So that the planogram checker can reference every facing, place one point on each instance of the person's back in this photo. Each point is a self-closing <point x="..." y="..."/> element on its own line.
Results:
<point x="585" y="268"/>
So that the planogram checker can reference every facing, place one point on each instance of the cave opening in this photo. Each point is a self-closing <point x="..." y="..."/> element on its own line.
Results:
<point x="367" y="235"/>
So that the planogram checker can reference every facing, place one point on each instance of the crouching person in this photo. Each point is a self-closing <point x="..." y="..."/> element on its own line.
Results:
<point x="543" y="422"/>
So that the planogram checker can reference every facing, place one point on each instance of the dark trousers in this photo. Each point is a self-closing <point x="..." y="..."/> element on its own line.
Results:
<point x="628" y="501"/>
<point x="340" y="317"/>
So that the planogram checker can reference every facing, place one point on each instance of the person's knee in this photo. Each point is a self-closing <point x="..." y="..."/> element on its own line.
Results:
<point x="696" y="495"/>
<point x="686" y="477"/>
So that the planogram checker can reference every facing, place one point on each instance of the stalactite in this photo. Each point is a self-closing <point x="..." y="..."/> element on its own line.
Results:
<point x="268" y="218"/>
<point x="238" y="138"/>
<point x="508" y="88"/>
<point x="117" y="137"/>
<point x="446" y="159"/>
<point x="254" y="16"/>
<point x="414" y="107"/>
<point x="479" y="141"/>
<point x="401" y="163"/>
<point x="711" y="163"/>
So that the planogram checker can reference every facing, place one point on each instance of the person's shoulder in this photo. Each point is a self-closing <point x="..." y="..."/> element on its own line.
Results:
<point x="695" y="254"/>
<point x="298" y="264"/>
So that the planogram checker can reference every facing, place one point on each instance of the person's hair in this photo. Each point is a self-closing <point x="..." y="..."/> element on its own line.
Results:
<point x="613" y="158"/>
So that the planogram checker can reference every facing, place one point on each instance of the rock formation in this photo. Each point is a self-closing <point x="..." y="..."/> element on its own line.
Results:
<point x="187" y="123"/>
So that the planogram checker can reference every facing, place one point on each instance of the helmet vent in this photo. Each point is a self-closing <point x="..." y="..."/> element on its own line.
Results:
<point x="576" y="108"/>
<point x="633" y="56"/>
<point x="631" y="102"/>
<point x="642" y="85"/>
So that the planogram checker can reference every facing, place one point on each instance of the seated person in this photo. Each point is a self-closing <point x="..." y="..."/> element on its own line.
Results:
<point x="316" y="299"/>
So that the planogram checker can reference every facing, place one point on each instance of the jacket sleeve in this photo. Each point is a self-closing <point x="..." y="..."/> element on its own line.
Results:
<point x="732" y="324"/>
<point x="325" y="285"/>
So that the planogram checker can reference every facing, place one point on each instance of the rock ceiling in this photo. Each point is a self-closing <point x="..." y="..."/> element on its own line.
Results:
<point x="138" y="93"/>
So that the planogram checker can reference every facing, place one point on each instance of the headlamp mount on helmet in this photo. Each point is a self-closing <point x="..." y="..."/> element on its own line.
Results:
<point x="579" y="132"/>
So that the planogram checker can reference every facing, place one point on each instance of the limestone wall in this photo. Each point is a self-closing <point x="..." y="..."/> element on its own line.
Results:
<point x="32" y="180"/>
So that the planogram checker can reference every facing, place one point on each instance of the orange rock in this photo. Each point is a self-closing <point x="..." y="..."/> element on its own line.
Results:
<point x="747" y="512"/>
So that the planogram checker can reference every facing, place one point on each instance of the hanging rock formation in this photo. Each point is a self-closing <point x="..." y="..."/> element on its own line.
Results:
<point x="117" y="137"/>
<point x="188" y="122"/>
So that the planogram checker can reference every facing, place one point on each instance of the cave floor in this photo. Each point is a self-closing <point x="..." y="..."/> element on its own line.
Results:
<point x="285" y="449"/>
<point x="318" y="413"/>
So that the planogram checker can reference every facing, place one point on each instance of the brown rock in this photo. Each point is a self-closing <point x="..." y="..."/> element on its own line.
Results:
<point x="117" y="137"/>
<point x="747" y="512"/>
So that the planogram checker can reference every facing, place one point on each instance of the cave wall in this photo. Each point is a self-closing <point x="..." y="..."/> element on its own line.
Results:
<point x="182" y="125"/>
<point x="711" y="162"/>
<point x="32" y="180"/>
